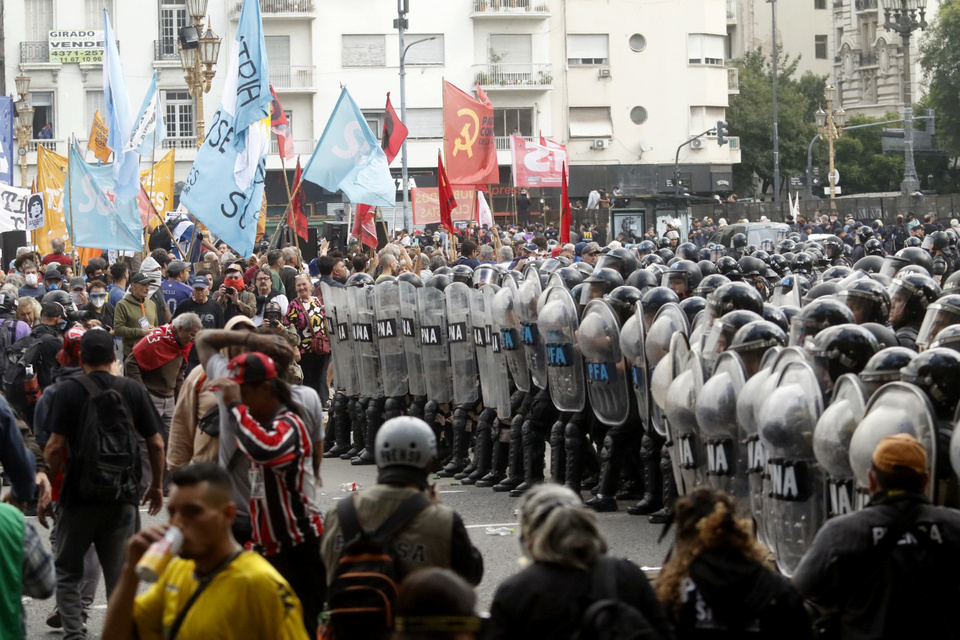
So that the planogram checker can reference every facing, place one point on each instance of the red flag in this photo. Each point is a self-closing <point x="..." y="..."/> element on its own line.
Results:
<point x="565" y="214"/>
<point x="281" y="126"/>
<point x="447" y="202"/>
<point x="364" y="226"/>
<point x="298" y="219"/>
<point x="394" y="132"/>
<point x="468" y="137"/>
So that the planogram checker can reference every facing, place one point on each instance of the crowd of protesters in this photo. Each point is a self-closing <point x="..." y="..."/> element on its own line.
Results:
<point x="213" y="367"/>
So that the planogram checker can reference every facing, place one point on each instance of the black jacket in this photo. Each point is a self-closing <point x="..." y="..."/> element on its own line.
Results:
<point x="547" y="601"/>
<point x="907" y="590"/>
<point x="730" y="597"/>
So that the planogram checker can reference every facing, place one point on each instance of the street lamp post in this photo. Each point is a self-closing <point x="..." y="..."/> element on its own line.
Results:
<point x="901" y="16"/>
<point x="829" y="126"/>
<point x="774" y="54"/>
<point x="198" y="56"/>
<point x="23" y="124"/>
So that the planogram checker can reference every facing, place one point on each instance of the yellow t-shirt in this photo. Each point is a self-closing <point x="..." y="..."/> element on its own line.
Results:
<point x="249" y="600"/>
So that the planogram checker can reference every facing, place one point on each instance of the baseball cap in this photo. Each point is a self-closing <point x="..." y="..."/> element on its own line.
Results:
<point x="69" y="356"/>
<point x="139" y="278"/>
<point x="531" y="247"/>
<point x="592" y="247"/>
<point x="201" y="282"/>
<point x="252" y="367"/>
<point x="52" y="274"/>
<point x="77" y="284"/>
<point x="96" y="345"/>
<point x="240" y="322"/>
<point x="176" y="267"/>
<point x="898" y="452"/>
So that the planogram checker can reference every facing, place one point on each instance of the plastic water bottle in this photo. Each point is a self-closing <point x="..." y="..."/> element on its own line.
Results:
<point x="158" y="556"/>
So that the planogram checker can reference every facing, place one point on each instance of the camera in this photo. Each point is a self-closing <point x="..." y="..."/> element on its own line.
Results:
<point x="80" y="316"/>
<point x="264" y="245"/>
<point x="230" y="290"/>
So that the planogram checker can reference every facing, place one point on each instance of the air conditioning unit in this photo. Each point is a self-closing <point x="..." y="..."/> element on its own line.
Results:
<point x="600" y="143"/>
<point x="604" y="73"/>
<point x="696" y="143"/>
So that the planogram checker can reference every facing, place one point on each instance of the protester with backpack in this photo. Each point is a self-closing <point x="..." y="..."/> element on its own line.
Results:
<point x="96" y="418"/>
<point x="716" y="584"/>
<point x="34" y="356"/>
<point x="378" y="535"/>
<point x="11" y="329"/>
<point x="572" y="589"/>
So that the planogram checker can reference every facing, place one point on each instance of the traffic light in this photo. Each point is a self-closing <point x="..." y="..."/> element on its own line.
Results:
<point x="722" y="132"/>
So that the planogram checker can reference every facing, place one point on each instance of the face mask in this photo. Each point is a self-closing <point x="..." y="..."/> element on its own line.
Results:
<point x="98" y="301"/>
<point x="236" y="283"/>
<point x="75" y="297"/>
<point x="31" y="279"/>
<point x="52" y="286"/>
<point x="63" y="325"/>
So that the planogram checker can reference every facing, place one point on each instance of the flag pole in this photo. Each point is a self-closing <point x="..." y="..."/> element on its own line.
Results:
<point x="286" y="183"/>
<point x="73" y="246"/>
<point x="153" y="185"/>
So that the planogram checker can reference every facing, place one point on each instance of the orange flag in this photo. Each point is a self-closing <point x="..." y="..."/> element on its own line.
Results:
<point x="468" y="142"/>
<point x="98" y="138"/>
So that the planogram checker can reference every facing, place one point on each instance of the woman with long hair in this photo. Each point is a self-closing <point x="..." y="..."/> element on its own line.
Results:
<point x="716" y="582"/>
<point x="305" y="314"/>
<point x="548" y="599"/>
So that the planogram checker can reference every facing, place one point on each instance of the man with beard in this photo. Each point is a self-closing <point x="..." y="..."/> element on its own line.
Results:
<point x="265" y="292"/>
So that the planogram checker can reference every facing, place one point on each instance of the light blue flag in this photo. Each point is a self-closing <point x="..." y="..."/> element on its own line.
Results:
<point x="348" y="158"/>
<point x="126" y="168"/>
<point x="150" y="129"/>
<point x="224" y="188"/>
<point x="100" y="219"/>
<point x="6" y="140"/>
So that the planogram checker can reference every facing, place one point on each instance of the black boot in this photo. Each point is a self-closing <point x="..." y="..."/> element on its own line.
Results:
<point x="669" y="489"/>
<point x="605" y="501"/>
<point x="514" y="457"/>
<point x="652" y="491"/>
<point x="558" y="454"/>
<point x="498" y="462"/>
<point x="533" y="452"/>
<point x="341" y="424"/>
<point x="415" y="410"/>
<point x="374" y="412"/>
<point x="358" y="421"/>
<point x="461" y="445"/>
<point x="482" y="448"/>
<point x="574" y="448"/>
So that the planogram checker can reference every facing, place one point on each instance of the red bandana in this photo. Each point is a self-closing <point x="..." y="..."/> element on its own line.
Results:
<point x="159" y="347"/>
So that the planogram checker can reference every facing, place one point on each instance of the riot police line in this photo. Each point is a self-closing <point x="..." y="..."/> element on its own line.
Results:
<point x="770" y="372"/>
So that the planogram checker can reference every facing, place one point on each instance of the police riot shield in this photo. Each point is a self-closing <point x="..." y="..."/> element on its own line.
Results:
<point x="896" y="407"/>
<point x="410" y="334"/>
<point x="632" y="339"/>
<point x="670" y="320"/>
<point x="511" y="349"/>
<point x="726" y="453"/>
<point x="787" y="292"/>
<point x="662" y="377"/>
<point x="831" y="445"/>
<point x="527" y="296"/>
<point x="599" y="340"/>
<point x="756" y="458"/>
<point x="698" y="330"/>
<point x="433" y="342"/>
<point x="494" y="378"/>
<point x="557" y="315"/>
<point x="336" y="309"/>
<point x="688" y="454"/>
<point x="365" y="346"/>
<point x="786" y="422"/>
<point x="463" y="359"/>
<point x="393" y="359"/>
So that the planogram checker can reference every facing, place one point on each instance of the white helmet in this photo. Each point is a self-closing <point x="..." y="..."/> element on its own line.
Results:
<point x="405" y="442"/>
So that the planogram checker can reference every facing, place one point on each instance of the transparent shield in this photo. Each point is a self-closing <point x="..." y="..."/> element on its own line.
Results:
<point x="480" y="322"/>
<point x="559" y="326"/>
<point x="364" y="336"/>
<point x="632" y="345"/>
<point x="605" y="368"/>
<point x="433" y="342"/>
<point x="684" y="430"/>
<point x="831" y="444"/>
<point x="497" y="388"/>
<point x="463" y="359"/>
<point x="511" y="348"/>
<point x="937" y="317"/>
<point x="726" y="453"/>
<point x="787" y="292"/>
<point x="410" y="333"/>
<point x="897" y="407"/>
<point x="393" y="358"/>
<point x="536" y="354"/>
<point x="669" y="321"/>
<point x="337" y="311"/>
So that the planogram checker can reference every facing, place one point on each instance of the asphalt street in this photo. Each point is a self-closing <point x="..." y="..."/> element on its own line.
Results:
<point x="490" y="519"/>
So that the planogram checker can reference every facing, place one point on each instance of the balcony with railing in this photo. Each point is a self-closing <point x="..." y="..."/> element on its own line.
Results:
<point x="534" y="9"/>
<point x="279" y="9"/>
<point x="731" y="11"/>
<point x="34" y="52"/>
<point x="300" y="147"/>
<point x="865" y="5"/>
<point x="166" y="50"/>
<point x="516" y="76"/>
<point x="49" y="145"/>
<point x="184" y="142"/>
<point x="733" y="80"/>
<point x="292" y="78"/>
<point x="868" y="59"/>
<point x="503" y="142"/>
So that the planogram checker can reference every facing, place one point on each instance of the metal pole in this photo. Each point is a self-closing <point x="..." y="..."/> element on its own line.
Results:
<point x="910" y="182"/>
<point x="404" y="176"/>
<point x="776" y="132"/>
<point x="810" y="167"/>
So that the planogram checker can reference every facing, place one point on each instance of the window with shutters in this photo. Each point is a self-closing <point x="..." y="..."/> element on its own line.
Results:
<point x="278" y="50"/>
<point x="510" y="121"/>
<point x="588" y="49"/>
<point x="513" y="48"/>
<point x="374" y="120"/>
<point x="424" y="124"/>
<point x="705" y="48"/>
<point x="94" y="100"/>
<point x="820" y="47"/>
<point x="93" y="13"/>
<point x="173" y="16"/>
<point x="590" y="122"/>
<point x="364" y="50"/>
<point x="43" y="111"/>
<point x="179" y="113"/>
<point x="39" y="19"/>
<point x="428" y="51"/>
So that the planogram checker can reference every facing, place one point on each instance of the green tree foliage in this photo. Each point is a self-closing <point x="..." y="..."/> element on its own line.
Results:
<point x="940" y="59"/>
<point x="750" y="115"/>
<point x="858" y="155"/>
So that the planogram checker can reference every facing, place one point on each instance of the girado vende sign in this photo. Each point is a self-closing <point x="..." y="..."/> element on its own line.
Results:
<point x="76" y="46"/>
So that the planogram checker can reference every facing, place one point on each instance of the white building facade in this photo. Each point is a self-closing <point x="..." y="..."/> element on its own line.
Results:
<point x="621" y="82"/>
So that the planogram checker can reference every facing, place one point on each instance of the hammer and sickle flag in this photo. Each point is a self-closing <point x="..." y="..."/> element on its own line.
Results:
<point x="468" y="137"/>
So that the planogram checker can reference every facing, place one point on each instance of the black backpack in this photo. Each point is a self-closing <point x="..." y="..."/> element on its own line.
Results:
<point x="606" y="617"/>
<point x="16" y="357"/>
<point x="105" y="467"/>
<point x="8" y="336"/>
<point x="363" y="591"/>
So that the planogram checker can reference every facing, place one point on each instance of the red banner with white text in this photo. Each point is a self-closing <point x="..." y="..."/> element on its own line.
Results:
<point x="536" y="166"/>
<point x="426" y="205"/>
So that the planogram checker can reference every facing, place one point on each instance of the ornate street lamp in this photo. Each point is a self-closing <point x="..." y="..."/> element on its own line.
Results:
<point x="198" y="57"/>
<point x="23" y="124"/>
<point x="830" y="126"/>
<point x="905" y="17"/>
